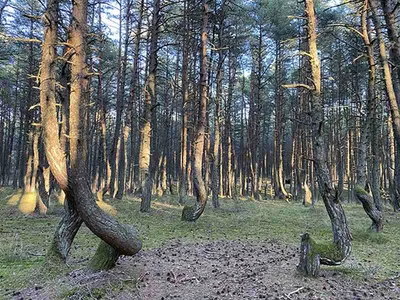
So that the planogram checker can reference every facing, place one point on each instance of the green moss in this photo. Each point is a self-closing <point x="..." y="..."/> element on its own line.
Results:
<point x="326" y="250"/>
<point x="187" y="213"/>
<point x="360" y="190"/>
<point x="28" y="237"/>
<point x="68" y="293"/>
<point x="104" y="258"/>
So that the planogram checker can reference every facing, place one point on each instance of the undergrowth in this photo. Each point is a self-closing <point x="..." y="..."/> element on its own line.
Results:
<point x="25" y="239"/>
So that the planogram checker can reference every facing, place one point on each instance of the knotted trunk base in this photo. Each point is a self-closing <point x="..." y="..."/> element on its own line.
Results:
<point x="192" y="213"/>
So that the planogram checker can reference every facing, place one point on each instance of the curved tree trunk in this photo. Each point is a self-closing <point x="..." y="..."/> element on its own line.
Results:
<point x="70" y="223"/>
<point x="100" y="223"/>
<point x="192" y="213"/>
<point x="75" y="183"/>
<point x="370" y="208"/>
<point x="311" y="253"/>
<point x="78" y="191"/>
<point x="368" y="124"/>
<point x="65" y="233"/>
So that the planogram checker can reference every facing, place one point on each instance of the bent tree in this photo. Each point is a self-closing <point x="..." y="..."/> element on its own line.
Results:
<point x="80" y="203"/>
<point x="192" y="213"/>
<point x="71" y="221"/>
<point x="313" y="254"/>
<point x="370" y="203"/>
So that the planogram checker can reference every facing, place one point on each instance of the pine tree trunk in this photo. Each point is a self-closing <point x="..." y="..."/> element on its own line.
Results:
<point x="192" y="213"/>
<point x="367" y="127"/>
<point x="145" y="160"/>
<point x="337" y="251"/>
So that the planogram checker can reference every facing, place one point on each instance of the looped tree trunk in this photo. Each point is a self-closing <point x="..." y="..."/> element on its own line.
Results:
<point x="106" y="227"/>
<point x="313" y="254"/>
<point x="192" y="213"/>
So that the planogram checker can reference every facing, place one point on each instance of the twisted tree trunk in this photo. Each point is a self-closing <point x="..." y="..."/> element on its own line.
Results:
<point x="74" y="182"/>
<point x="360" y="189"/>
<point x="311" y="253"/>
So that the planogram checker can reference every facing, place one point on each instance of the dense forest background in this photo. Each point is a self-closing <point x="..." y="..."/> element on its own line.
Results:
<point x="257" y="99"/>
<point x="258" y="139"/>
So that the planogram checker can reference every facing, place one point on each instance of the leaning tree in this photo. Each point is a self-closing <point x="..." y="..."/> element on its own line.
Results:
<point x="313" y="254"/>
<point x="192" y="213"/>
<point x="80" y="204"/>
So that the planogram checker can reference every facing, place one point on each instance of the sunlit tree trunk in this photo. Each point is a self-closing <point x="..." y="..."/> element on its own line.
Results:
<point x="117" y="239"/>
<point x="312" y="254"/>
<point x="146" y="180"/>
<point x="192" y="213"/>
<point x="185" y="98"/>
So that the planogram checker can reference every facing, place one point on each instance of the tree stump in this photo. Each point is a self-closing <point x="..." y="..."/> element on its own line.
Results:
<point x="309" y="260"/>
<point x="313" y="254"/>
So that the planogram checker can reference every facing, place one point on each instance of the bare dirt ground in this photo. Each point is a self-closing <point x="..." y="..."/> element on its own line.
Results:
<point x="214" y="270"/>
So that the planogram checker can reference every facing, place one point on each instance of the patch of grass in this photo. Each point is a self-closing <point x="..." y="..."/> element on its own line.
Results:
<point x="68" y="293"/>
<point x="25" y="239"/>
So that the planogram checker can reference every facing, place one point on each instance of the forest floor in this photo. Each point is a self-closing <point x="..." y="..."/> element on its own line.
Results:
<point x="245" y="250"/>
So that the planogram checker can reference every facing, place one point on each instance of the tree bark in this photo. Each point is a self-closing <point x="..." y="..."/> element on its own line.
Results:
<point x="368" y="124"/>
<point x="145" y="160"/>
<point x="337" y="251"/>
<point x="185" y="99"/>
<point x="70" y="223"/>
<point x="75" y="182"/>
<point x="192" y="213"/>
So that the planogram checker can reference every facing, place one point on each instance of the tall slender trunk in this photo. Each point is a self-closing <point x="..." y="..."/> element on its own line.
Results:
<point x="145" y="160"/>
<point x="122" y="65"/>
<point x="216" y="163"/>
<point x="192" y="213"/>
<point x="279" y="185"/>
<point x="133" y="96"/>
<point x="185" y="99"/>
<point x="311" y="254"/>
<point x="389" y="83"/>
<point x="368" y="127"/>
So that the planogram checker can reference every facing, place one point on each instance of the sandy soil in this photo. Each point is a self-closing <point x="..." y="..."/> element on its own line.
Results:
<point x="214" y="270"/>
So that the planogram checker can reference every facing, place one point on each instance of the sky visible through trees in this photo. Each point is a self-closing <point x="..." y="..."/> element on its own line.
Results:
<point x="200" y="101"/>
